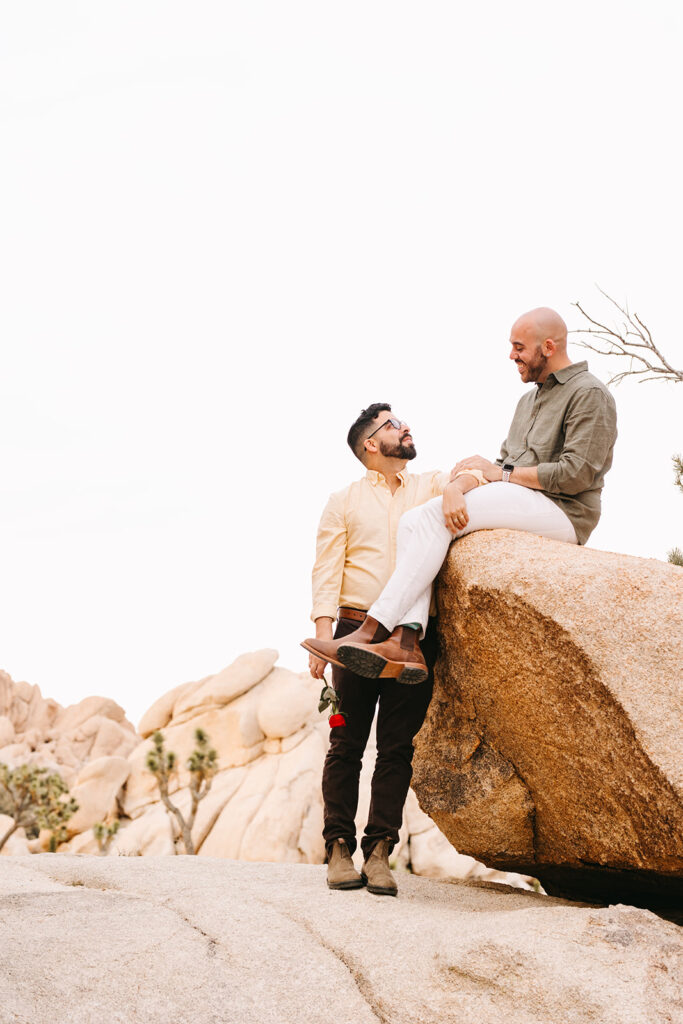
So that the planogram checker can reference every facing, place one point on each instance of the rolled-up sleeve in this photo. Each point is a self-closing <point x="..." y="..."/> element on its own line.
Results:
<point x="330" y="557"/>
<point x="589" y="433"/>
<point x="439" y="483"/>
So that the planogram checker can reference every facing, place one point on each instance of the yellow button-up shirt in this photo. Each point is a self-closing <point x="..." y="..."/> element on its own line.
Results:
<point x="356" y="546"/>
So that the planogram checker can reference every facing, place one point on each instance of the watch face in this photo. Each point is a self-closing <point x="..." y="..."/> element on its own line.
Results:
<point x="508" y="467"/>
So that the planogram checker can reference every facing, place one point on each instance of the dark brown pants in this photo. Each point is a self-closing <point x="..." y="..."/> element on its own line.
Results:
<point x="402" y="711"/>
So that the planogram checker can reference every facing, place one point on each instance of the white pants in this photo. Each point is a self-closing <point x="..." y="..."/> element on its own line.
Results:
<point x="423" y="541"/>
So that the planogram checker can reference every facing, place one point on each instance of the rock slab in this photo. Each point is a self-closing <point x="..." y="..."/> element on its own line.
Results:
<point x="156" y="939"/>
<point x="554" y="742"/>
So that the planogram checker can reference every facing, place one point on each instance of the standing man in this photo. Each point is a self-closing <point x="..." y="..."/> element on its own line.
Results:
<point x="547" y="481"/>
<point x="356" y="551"/>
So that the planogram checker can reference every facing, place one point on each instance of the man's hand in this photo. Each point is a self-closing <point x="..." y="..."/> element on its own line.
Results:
<point x="491" y="470"/>
<point x="323" y="631"/>
<point x="316" y="666"/>
<point x="454" y="509"/>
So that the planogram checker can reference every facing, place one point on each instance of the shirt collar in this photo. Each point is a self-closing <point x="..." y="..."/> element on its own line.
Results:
<point x="567" y="372"/>
<point x="375" y="478"/>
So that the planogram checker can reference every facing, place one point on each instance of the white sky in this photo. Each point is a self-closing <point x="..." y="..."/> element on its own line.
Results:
<point x="226" y="227"/>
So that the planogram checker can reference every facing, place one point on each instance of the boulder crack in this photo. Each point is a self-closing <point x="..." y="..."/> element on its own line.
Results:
<point x="212" y="943"/>
<point x="364" y="987"/>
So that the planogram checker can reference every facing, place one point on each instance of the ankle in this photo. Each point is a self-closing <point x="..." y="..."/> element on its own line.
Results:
<point x="380" y="632"/>
<point x="409" y="637"/>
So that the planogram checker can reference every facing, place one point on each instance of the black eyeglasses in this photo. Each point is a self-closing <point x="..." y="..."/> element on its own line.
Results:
<point x="396" y="424"/>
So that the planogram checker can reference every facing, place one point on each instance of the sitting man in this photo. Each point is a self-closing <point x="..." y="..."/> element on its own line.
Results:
<point x="355" y="557"/>
<point x="547" y="481"/>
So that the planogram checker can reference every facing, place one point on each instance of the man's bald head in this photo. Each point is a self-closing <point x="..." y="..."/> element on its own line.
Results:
<point x="538" y="341"/>
<point x="543" y="324"/>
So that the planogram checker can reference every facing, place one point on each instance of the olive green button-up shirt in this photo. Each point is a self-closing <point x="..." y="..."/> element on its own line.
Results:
<point x="566" y="427"/>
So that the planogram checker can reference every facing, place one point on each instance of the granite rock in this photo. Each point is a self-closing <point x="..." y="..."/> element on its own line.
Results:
<point x="38" y="731"/>
<point x="156" y="939"/>
<point x="554" y="742"/>
<point x="97" y="787"/>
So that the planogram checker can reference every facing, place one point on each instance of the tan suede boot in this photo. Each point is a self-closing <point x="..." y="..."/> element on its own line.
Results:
<point x="376" y="872"/>
<point x="370" y="629"/>
<point x="399" y="657"/>
<point x="341" y="873"/>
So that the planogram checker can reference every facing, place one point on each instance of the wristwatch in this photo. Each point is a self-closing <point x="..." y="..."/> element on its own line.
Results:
<point x="507" y="469"/>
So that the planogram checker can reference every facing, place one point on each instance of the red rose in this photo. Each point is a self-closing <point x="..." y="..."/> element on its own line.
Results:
<point x="336" y="721"/>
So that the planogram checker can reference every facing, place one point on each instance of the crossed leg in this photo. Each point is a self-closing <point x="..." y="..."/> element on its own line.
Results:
<point x="423" y="541"/>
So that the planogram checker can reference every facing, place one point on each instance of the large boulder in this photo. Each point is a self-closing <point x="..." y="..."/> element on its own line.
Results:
<point x="161" y="711"/>
<point x="95" y="791"/>
<point x="151" y="940"/>
<point x="245" y="671"/>
<point x="554" y="742"/>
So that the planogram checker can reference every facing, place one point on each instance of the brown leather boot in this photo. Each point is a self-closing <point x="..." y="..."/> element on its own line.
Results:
<point x="341" y="873"/>
<point x="399" y="657"/>
<point x="376" y="872"/>
<point x="369" y="631"/>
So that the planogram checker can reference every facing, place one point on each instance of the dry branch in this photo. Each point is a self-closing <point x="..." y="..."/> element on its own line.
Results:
<point x="630" y="340"/>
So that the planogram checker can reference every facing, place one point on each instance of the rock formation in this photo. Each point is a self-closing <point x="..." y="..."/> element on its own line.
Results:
<point x="37" y="729"/>
<point x="554" y="742"/>
<point x="86" y="743"/>
<point x="265" y="802"/>
<point x="191" y="939"/>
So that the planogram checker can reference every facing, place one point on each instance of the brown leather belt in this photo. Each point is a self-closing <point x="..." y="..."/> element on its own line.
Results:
<point x="351" y="613"/>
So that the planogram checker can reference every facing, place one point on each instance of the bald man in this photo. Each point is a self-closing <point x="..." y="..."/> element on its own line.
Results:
<point x="547" y="481"/>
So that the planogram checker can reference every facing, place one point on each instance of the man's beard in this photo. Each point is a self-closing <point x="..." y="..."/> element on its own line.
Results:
<point x="535" y="368"/>
<point x="398" y="451"/>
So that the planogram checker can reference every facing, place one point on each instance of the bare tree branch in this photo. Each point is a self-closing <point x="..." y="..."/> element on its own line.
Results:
<point x="631" y="339"/>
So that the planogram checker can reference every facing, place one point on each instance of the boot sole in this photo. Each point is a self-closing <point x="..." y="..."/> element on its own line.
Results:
<point x="316" y="654"/>
<point x="352" y="884"/>
<point x="378" y="890"/>
<point x="366" y="663"/>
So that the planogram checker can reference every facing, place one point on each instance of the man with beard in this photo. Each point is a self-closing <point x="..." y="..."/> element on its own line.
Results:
<point x="354" y="559"/>
<point x="547" y="481"/>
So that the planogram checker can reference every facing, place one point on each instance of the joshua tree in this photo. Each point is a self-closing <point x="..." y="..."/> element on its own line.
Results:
<point x="676" y="555"/>
<point x="104" y="833"/>
<point x="678" y="471"/>
<point x="202" y="765"/>
<point x="35" y="799"/>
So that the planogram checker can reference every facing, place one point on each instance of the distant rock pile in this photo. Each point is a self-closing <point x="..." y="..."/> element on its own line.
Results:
<point x="265" y="803"/>
<point x="554" y="742"/>
<point x="57" y="737"/>
<point x="87" y="744"/>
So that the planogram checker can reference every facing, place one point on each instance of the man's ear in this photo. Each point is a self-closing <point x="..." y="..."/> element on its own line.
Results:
<point x="548" y="348"/>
